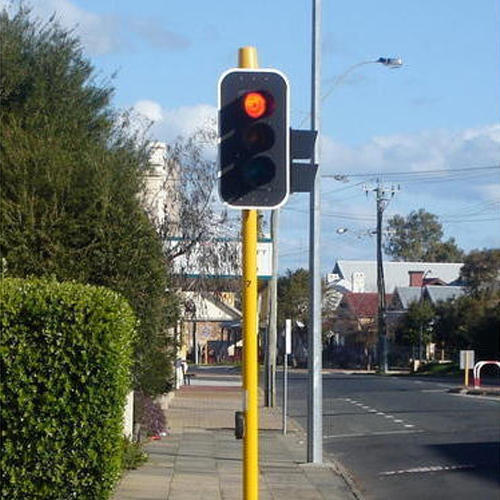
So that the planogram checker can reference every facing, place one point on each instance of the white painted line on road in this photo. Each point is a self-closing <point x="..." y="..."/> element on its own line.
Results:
<point x="373" y="411"/>
<point x="369" y="434"/>
<point x="430" y="468"/>
<point x="398" y="421"/>
<point x="380" y="413"/>
<point x="409" y="426"/>
<point x="389" y="416"/>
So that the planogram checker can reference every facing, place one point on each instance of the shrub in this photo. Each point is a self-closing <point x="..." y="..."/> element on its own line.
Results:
<point x="133" y="454"/>
<point x="65" y="360"/>
<point x="148" y="414"/>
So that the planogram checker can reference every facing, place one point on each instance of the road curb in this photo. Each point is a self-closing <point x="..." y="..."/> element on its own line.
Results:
<point x="331" y="462"/>
<point x="474" y="392"/>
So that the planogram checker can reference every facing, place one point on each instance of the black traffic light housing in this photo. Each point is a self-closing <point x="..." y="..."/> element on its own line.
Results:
<point x="254" y="138"/>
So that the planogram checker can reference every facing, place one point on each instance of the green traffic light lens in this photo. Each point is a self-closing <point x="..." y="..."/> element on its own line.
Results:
<point x="258" y="171"/>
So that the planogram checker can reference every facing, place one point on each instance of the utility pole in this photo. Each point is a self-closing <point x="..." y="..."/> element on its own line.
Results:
<point x="272" y="333"/>
<point x="383" y="196"/>
<point x="315" y="383"/>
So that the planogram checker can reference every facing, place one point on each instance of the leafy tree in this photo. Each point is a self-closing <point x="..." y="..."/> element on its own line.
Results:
<point x="293" y="296"/>
<point x="418" y="238"/>
<point x="415" y="326"/>
<point x="469" y="322"/>
<point x="71" y="173"/>
<point x="481" y="271"/>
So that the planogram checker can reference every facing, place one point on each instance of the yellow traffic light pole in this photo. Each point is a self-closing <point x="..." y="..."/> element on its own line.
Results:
<point x="247" y="58"/>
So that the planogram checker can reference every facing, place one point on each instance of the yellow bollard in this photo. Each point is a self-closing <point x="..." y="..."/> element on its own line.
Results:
<point x="247" y="58"/>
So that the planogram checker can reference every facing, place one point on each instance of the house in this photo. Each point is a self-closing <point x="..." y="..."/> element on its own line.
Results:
<point x="435" y="294"/>
<point x="211" y="324"/>
<point x="206" y="317"/>
<point x="352" y="289"/>
<point x="355" y="326"/>
<point x="361" y="276"/>
<point x="405" y="296"/>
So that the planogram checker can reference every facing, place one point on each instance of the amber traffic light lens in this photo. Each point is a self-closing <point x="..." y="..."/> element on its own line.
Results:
<point x="255" y="104"/>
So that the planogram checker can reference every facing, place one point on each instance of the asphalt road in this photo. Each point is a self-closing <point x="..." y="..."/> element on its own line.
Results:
<point x="407" y="438"/>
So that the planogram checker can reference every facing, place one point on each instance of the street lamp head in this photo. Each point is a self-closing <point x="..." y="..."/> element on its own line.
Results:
<point x="391" y="62"/>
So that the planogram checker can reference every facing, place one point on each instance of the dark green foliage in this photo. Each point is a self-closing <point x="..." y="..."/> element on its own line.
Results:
<point x="293" y="297"/>
<point x="418" y="238"/>
<point x="415" y="325"/>
<point x="65" y="363"/>
<point x="133" y="454"/>
<point x="470" y="322"/>
<point x="481" y="271"/>
<point x="473" y="321"/>
<point x="71" y="172"/>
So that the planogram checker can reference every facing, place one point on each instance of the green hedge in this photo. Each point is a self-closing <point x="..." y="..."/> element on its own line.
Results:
<point x="65" y="352"/>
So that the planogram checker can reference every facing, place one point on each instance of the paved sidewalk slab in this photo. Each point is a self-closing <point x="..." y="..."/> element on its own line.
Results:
<point x="201" y="459"/>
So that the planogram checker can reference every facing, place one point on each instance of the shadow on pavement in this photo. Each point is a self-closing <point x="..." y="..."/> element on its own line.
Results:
<point x="483" y="456"/>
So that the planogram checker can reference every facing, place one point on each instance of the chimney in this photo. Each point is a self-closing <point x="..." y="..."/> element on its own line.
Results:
<point x="416" y="278"/>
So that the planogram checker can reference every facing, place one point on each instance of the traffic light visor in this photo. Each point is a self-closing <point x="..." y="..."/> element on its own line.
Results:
<point x="255" y="104"/>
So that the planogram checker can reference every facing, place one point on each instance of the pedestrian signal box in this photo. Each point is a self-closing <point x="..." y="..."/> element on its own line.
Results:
<point x="254" y="137"/>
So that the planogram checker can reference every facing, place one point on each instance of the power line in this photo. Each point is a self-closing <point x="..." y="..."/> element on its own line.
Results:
<point x="412" y="173"/>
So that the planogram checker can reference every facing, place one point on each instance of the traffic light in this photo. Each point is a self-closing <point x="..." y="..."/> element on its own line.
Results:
<point x="254" y="138"/>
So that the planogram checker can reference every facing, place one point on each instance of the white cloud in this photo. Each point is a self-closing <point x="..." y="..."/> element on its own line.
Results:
<point x="150" y="110"/>
<point x="170" y="123"/>
<point x="104" y="33"/>
<point x="466" y="201"/>
<point x="428" y="150"/>
<point x="490" y="192"/>
<point x="99" y="33"/>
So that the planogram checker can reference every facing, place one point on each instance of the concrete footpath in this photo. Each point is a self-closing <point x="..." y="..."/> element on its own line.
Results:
<point x="202" y="459"/>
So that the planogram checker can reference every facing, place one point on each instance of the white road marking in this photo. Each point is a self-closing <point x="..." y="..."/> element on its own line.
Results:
<point x="369" y="434"/>
<point x="380" y="413"/>
<point x="430" y="468"/>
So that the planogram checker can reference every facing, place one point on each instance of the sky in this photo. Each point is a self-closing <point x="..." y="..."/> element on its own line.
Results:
<point x="430" y="130"/>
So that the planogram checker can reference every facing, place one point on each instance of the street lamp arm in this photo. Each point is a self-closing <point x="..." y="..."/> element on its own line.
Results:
<point x="390" y="62"/>
<point x="340" y="78"/>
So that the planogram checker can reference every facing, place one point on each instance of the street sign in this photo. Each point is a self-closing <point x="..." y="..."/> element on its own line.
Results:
<point x="466" y="360"/>
<point x="288" y="336"/>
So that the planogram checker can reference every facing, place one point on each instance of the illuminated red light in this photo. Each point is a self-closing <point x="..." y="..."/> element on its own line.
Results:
<point x="255" y="104"/>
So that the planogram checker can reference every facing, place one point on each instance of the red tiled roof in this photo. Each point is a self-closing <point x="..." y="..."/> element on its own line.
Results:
<point x="364" y="305"/>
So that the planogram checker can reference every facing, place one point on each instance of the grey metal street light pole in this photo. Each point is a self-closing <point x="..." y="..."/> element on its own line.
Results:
<point x="315" y="386"/>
